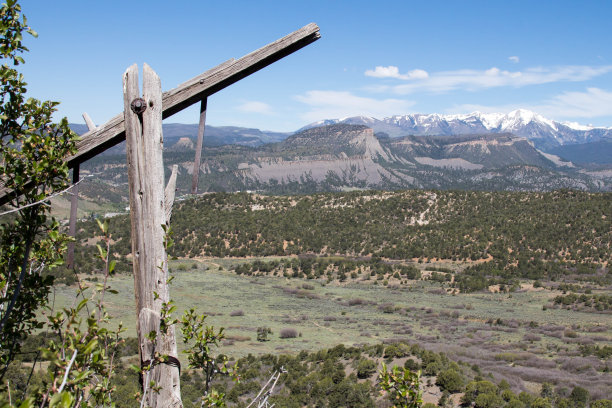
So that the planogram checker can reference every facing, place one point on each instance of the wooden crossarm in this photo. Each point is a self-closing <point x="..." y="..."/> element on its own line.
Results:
<point x="112" y="132"/>
<point x="204" y="85"/>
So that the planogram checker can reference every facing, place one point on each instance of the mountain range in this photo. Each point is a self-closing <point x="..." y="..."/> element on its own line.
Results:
<point x="344" y="156"/>
<point x="546" y="134"/>
<point x="517" y="151"/>
<point x="341" y="156"/>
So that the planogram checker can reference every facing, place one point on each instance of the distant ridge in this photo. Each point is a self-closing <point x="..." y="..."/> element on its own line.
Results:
<point x="546" y="134"/>
<point x="213" y="135"/>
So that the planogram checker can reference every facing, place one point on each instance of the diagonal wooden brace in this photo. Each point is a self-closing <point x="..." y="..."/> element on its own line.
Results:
<point x="170" y="192"/>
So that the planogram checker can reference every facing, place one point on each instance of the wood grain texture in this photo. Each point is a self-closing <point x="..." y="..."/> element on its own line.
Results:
<point x="74" y="203"/>
<point x="170" y="192"/>
<point x="147" y="212"/>
<point x="198" y="153"/>
<point x="112" y="132"/>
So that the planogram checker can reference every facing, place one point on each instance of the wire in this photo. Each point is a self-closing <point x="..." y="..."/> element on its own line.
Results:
<point x="44" y="199"/>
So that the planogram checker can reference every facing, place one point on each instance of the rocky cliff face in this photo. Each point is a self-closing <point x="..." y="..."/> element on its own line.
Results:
<point x="342" y="156"/>
<point x="480" y="151"/>
<point x="338" y="151"/>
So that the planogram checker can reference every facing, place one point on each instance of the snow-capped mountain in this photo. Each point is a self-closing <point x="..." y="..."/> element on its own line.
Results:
<point x="545" y="133"/>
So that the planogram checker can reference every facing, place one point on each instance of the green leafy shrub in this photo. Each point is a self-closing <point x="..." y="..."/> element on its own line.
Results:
<point x="365" y="368"/>
<point x="403" y="386"/>
<point x="450" y="380"/>
<point x="262" y="333"/>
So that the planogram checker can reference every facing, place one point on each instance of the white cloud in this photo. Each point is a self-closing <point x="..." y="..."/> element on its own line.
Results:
<point x="256" y="107"/>
<point x="342" y="104"/>
<point x="514" y="59"/>
<point x="418" y="74"/>
<point x="469" y="79"/>
<point x="393" y="72"/>
<point x="592" y="103"/>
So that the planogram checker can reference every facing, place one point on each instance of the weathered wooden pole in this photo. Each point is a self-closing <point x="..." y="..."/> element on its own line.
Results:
<point x="143" y="126"/>
<point x="74" y="202"/>
<point x="198" y="152"/>
<point x="91" y="126"/>
<point x="170" y="191"/>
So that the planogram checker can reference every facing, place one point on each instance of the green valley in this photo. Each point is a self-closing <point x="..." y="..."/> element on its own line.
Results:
<point x="512" y="288"/>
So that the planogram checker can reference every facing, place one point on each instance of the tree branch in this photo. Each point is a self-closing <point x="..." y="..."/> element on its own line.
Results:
<point x="61" y="388"/>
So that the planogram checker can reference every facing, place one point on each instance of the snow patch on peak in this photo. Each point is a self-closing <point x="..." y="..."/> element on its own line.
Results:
<point x="490" y="120"/>
<point x="522" y="122"/>
<point x="577" y="126"/>
<point x="325" y="122"/>
<point x="518" y="117"/>
<point x="357" y="119"/>
<point x="366" y="119"/>
<point x="522" y="117"/>
<point x="523" y="114"/>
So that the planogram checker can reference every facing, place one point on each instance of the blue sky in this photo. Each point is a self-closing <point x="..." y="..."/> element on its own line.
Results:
<point x="378" y="58"/>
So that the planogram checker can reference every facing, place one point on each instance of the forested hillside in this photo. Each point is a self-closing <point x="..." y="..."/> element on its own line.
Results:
<point x="499" y="234"/>
<point x="567" y="226"/>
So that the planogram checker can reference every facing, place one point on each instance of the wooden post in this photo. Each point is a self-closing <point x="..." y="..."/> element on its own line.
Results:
<point x="170" y="192"/>
<point x="148" y="216"/>
<point x="74" y="202"/>
<point x="198" y="152"/>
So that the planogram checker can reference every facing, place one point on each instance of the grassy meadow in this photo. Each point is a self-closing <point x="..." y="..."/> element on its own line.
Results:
<point x="507" y="334"/>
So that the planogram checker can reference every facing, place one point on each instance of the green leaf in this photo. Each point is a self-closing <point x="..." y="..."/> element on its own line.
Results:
<point x="102" y="225"/>
<point x="28" y="403"/>
<point x="81" y="304"/>
<point x="67" y="399"/>
<point x="102" y="252"/>
<point x="90" y="346"/>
